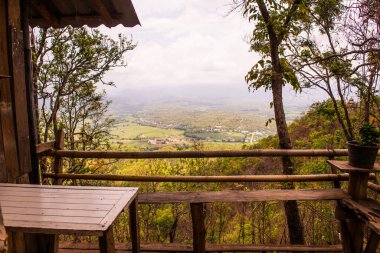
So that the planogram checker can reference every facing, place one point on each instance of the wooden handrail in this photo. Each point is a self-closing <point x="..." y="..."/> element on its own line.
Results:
<point x="205" y="179"/>
<point x="43" y="148"/>
<point x="197" y="154"/>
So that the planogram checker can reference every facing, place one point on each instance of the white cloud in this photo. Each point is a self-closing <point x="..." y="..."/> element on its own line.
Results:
<point x="185" y="42"/>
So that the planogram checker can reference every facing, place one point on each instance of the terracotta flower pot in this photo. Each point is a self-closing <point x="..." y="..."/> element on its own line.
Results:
<point x="361" y="156"/>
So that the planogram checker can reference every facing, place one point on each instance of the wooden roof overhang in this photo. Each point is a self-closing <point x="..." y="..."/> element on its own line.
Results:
<point x="77" y="13"/>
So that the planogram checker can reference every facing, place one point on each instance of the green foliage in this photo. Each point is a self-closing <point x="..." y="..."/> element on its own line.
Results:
<point x="368" y="135"/>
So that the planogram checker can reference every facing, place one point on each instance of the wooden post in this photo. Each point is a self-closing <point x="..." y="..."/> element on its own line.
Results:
<point x="134" y="226"/>
<point x="59" y="145"/>
<point x="106" y="242"/>
<point x="199" y="231"/>
<point x="373" y="242"/>
<point x="357" y="188"/>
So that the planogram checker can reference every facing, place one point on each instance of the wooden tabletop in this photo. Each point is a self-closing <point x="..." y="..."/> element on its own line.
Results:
<point x="62" y="209"/>
<point x="344" y="166"/>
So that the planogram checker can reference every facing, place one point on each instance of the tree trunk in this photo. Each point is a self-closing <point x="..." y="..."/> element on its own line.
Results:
<point x="295" y="227"/>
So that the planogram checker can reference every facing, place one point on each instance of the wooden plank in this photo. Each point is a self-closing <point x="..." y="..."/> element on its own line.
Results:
<point x="44" y="147"/>
<point x="67" y="190"/>
<point x="70" y="247"/>
<point x="106" y="242"/>
<point x="59" y="145"/>
<point x="58" y="194"/>
<point x="56" y="211"/>
<point x="95" y="188"/>
<point x="101" y="201"/>
<point x="6" y="105"/>
<point x="50" y="218"/>
<point x="239" y="178"/>
<point x="345" y="167"/>
<point x="48" y="227"/>
<point x="20" y="110"/>
<point x="241" y="196"/>
<point x="134" y="226"/>
<point x="199" y="229"/>
<point x="199" y="154"/>
<point x="103" y="11"/>
<point x="126" y="199"/>
<point x="364" y="213"/>
<point x="45" y="12"/>
<point x="59" y="206"/>
<point x="3" y="81"/>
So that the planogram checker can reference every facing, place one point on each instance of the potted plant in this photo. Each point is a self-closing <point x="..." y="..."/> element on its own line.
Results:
<point x="362" y="153"/>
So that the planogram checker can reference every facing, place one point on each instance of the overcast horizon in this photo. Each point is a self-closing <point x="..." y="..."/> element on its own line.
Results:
<point x="184" y="43"/>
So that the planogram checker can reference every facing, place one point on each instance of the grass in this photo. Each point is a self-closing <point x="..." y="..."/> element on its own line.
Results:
<point x="133" y="131"/>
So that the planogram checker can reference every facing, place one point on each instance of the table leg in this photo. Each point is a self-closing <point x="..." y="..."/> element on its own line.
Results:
<point x="134" y="226"/>
<point x="106" y="242"/>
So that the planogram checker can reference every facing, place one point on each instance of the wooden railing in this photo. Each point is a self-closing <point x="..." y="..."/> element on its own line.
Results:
<point x="197" y="200"/>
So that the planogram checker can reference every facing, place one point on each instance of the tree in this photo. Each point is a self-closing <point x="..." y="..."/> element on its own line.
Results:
<point x="69" y="64"/>
<point x="65" y="61"/>
<point x="274" y="21"/>
<point x="347" y="66"/>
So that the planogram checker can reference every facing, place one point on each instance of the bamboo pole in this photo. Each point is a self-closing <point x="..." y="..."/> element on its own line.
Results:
<point x="206" y="179"/>
<point x="197" y="154"/>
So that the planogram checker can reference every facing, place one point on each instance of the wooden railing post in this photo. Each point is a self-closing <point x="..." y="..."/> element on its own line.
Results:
<point x="134" y="226"/>
<point x="199" y="231"/>
<point x="357" y="188"/>
<point x="59" y="145"/>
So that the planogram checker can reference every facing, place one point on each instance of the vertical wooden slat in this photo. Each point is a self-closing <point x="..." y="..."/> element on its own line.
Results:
<point x="3" y="81"/>
<point x="19" y="86"/>
<point x="357" y="188"/>
<point x="199" y="230"/>
<point x="6" y="112"/>
<point x="59" y="144"/>
<point x="373" y="242"/>
<point x="35" y="175"/>
<point x="106" y="242"/>
<point x="134" y="226"/>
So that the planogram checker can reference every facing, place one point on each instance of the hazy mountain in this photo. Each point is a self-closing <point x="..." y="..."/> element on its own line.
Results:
<point x="204" y="97"/>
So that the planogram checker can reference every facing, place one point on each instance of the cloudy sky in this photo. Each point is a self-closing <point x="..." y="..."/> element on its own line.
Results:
<point x="186" y="42"/>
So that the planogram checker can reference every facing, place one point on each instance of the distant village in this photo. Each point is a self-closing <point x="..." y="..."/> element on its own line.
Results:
<point x="192" y="134"/>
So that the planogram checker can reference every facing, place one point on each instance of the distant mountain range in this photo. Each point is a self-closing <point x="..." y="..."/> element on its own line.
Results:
<point x="233" y="98"/>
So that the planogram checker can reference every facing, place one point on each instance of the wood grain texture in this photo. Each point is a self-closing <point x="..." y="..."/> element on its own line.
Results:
<point x="241" y="196"/>
<point x="20" y="110"/>
<point x="62" y="209"/>
<point x="43" y="148"/>
<point x="345" y="167"/>
<point x="198" y="216"/>
<point x="69" y="247"/>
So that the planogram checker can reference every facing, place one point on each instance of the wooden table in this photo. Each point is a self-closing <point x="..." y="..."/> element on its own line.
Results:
<point x="68" y="210"/>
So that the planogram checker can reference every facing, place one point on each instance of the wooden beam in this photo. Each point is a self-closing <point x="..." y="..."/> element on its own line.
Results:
<point x="198" y="215"/>
<point x="68" y="247"/>
<point x="106" y="242"/>
<point x="103" y="12"/>
<point x="198" y="154"/>
<point x="241" y="196"/>
<point x="45" y="147"/>
<point x="205" y="179"/>
<point x="59" y="144"/>
<point x="134" y="226"/>
<point x="45" y="12"/>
